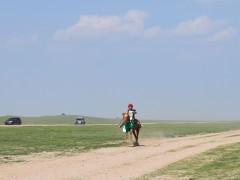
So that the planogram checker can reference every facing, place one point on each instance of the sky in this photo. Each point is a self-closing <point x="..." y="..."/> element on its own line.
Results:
<point x="174" y="60"/>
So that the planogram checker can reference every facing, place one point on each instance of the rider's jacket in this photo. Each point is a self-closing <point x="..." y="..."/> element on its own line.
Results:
<point x="132" y="114"/>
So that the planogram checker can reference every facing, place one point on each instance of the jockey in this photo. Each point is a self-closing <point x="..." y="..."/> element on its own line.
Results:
<point x="131" y="112"/>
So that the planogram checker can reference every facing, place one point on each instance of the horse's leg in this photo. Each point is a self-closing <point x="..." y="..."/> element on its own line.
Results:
<point x="131" y="132"/>
<point x="135" y="135"/>
<point x="126" y="137"/>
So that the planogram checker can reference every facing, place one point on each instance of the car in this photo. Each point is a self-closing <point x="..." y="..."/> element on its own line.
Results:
<point x="79" y="120"/>
<point x="13" y="121"/>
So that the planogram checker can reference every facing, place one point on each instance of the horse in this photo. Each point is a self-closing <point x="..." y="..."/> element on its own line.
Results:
<point x="133" y="130"/>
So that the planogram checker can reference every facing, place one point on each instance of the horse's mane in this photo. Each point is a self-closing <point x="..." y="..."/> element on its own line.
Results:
<point x="126" y="116"/>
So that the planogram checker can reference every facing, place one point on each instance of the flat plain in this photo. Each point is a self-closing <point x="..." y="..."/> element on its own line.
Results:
<point x="62" y="148"/>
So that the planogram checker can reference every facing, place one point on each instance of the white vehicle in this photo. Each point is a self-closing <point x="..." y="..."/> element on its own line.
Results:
<point x="79" y="120"/>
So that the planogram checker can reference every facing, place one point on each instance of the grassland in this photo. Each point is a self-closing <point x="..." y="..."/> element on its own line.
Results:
<point x="23" y="140"/>
<point x="19" y="140"/>
<point x="219" y="163"/>
<point x="183" y="129"/>
<point x="63" y="137"/>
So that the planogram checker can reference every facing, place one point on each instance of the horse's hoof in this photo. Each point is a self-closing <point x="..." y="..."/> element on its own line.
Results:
<point x="135" y="144"/>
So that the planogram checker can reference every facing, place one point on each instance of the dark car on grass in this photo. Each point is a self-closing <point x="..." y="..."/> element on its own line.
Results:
<point x="13" y="121"/>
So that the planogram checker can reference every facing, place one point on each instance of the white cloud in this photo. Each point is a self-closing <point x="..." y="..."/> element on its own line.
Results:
<point x="152" y="32"/>
<point x="22" y="40"/>
<point x="131" y="22"/>
<point x="224" y="34"/>
<point x="212" y="1"/>
<point x="206" y="26"/>
<point x="197" y="26"/>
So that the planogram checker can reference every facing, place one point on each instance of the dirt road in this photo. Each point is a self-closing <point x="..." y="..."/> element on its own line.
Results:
<point x="117" y="163"/>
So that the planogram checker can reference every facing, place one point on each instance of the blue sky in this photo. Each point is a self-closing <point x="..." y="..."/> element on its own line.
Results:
<point x="172" y="59"/>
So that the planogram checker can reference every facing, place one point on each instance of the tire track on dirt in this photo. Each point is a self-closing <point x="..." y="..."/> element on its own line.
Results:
<point x="118" y="163"/>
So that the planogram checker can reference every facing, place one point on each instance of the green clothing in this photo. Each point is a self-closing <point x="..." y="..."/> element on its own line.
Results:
<point x="129" y="125"/>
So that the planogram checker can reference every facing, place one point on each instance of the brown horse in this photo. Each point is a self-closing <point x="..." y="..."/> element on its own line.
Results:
<point x="135" y="130"/>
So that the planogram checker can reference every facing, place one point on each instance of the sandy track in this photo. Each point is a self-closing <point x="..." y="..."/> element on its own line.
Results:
<point x="117" y="163"/>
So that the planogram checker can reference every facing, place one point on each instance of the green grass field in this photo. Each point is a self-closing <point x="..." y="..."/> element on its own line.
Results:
<point x="220" y="163"/>
<point x="18" y="140"/>
<point x="183" y="129"/>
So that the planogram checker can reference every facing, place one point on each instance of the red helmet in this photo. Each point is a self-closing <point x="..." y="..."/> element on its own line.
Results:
<point x="130" y="105"/>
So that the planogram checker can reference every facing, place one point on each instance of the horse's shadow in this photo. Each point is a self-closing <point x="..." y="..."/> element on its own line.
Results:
<point x="140" y="145"/>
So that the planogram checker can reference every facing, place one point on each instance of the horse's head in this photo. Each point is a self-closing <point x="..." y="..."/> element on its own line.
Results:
<point x="126" y="116"/>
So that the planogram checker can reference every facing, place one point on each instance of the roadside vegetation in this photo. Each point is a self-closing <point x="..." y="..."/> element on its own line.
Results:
<point x="178" y="129"/>
<point x="220" y="163"/>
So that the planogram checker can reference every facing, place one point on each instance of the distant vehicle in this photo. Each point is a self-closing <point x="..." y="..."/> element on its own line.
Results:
<point x="13" y="121"/>
<point x="79" y="120"/>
